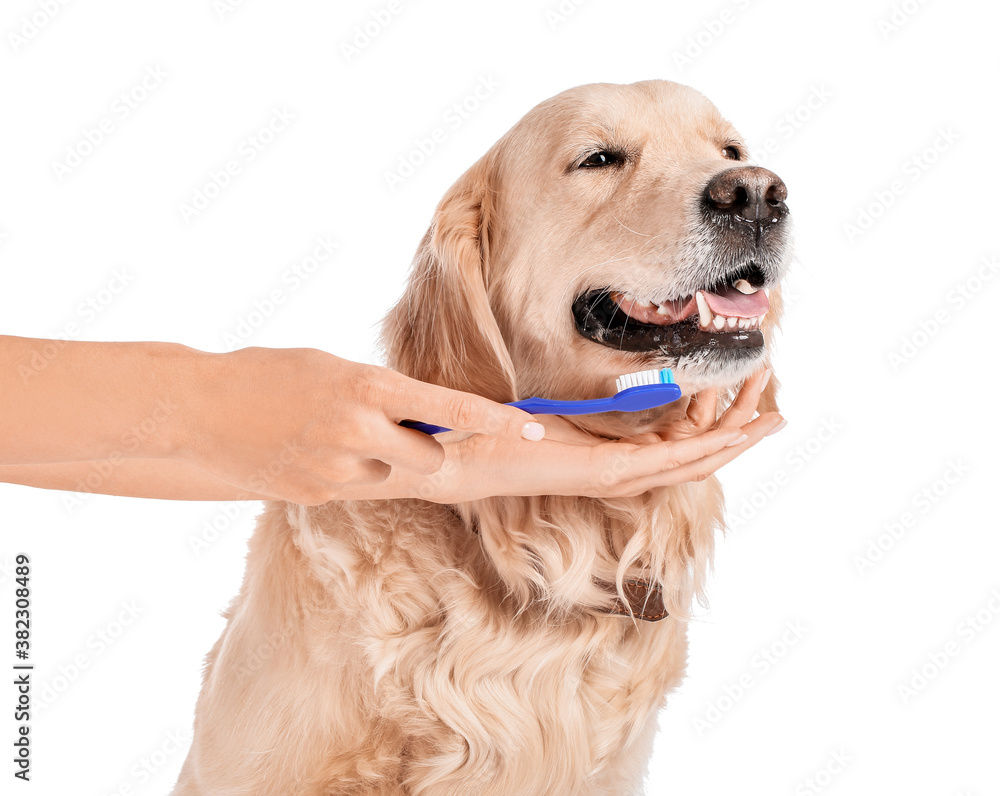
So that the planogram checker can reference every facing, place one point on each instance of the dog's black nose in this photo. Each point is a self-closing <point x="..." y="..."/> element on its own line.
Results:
<point x="748" y="193"/>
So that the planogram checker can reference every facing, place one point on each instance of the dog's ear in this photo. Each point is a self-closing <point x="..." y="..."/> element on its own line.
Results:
<point x="769" y="397"/>
<point x="443" y="330"/>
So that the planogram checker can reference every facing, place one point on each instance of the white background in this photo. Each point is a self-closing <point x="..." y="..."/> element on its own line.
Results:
<point x="881" y="402"/>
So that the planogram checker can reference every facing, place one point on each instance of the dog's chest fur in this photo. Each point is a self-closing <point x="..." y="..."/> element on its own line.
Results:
<point x="441" y="684"/>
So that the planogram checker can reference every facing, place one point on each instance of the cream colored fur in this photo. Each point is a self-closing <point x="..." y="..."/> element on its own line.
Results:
<point x="386" y="647"/>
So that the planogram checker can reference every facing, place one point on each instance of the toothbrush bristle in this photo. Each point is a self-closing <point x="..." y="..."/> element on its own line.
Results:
<point x="660" y="376"/>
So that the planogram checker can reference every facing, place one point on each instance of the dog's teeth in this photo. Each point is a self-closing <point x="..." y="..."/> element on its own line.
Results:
<point x="662" y="310"/>
<point x="719" y="322"/>
<point x="744" y="323"/>
<point x="760" y="319"/>
<point x="646" y="305"/>
<point x="629" y="298"/>
<point x="704" y="313"/>
<point x="731" y="323"/>
<point x="744" y="287"/>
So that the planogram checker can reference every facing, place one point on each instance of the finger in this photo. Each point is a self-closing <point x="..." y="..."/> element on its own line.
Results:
<point x="461" y="411"/>
<point x="699" y="470"/>
<point x="561" y="429"/>
<point x="371" y="471"/>
<point x="742" y="410"/>
<point x="409" y="449"/>
<point x="363" y="475"/>
<point x="704" y="407"/>
<point x="754" y="431"/>
<point x="626" y="464"/>
<point x="642" y="439"/>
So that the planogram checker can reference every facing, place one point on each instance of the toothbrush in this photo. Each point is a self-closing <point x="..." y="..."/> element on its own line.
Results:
<point x="636" y="391"/>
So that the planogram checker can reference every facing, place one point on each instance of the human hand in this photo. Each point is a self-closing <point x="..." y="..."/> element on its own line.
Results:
<point x="306" y="426"/>
<point x="702" y="411"/>
<point x="571" y="462"/>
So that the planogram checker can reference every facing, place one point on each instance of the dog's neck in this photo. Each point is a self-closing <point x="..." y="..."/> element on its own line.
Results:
<point x="643" y="600"/>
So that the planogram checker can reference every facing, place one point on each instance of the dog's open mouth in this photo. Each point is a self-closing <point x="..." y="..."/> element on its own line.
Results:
<point x="725" y="315"/>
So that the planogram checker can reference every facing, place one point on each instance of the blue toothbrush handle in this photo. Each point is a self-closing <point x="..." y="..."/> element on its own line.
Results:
<point x="633" y="399"/>
<point x="427" y="428"/>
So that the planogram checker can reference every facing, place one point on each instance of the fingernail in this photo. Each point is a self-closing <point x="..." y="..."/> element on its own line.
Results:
<point x="738" y="441"/>
<point x="767" y="378"/>
<point x="533" y="431"/>
<point x="777" y="428"/>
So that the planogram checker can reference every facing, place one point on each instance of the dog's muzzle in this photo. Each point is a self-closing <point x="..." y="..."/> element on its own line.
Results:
<point x="749" y="199"/>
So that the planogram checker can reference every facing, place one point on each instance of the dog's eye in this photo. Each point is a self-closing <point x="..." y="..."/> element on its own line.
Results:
<point x="731" y="153"/>
<point x="599" y="160"/>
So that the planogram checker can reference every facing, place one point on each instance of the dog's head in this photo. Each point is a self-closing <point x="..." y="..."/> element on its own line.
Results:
<point x="615" y="228"/>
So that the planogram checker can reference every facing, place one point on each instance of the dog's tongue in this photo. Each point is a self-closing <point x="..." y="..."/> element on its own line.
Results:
<point x="730" y="303"/>
<point x="734" y="304"/>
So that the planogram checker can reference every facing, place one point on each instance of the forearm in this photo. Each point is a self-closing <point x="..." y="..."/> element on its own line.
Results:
<point x="164" y="479"/>
<point x="71" y="401"/>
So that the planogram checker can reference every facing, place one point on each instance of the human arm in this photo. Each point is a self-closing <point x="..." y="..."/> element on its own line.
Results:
<point x="569" y="461"/>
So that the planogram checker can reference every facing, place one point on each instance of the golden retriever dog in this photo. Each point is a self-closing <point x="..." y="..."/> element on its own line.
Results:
<point x="509" y="645"/>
